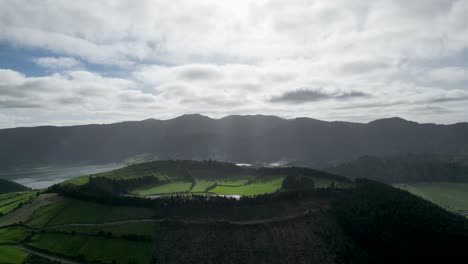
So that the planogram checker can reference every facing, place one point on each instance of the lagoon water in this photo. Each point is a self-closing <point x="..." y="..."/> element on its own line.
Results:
<point x="44" y="177"/>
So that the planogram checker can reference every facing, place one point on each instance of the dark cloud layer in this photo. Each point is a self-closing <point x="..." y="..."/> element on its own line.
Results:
<point x="199" y="73"/>
<point x="306" y="95"/>
<point x="17" y="104"/>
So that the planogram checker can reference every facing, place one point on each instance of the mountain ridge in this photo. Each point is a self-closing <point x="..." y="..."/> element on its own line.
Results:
<point x="380" y="120"/>
<point x="240" y="139"/>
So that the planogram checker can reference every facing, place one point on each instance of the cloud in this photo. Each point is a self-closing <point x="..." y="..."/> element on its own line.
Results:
<point x="357" y="67"/>
<point x="306" y="95"/>
<point x="237" y="32"/>
<point x="198" y="72"/>
<point x="57" y="63"/>
<point x="448" y="74"/>
<point x="17" y="104"/>
<point x="61" y="95"/>
<point x="448" y="97"/>
<point x="135" y="96"/>
<point x="234" y="57"/>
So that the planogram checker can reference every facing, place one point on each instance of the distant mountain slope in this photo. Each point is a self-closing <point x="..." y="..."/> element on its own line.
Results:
<point x="405" y="168"/>
<point x="246" y="139"/>
<point x="9" y="186"/>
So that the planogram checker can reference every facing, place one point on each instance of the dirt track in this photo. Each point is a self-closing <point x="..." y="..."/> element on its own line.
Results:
<point x="195" y="222"/>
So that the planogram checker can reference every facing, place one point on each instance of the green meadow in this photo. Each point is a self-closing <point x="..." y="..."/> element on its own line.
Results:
<point x="12" y="255"/>
<point x="173" y="187"/>
<point x="92" y="248"/>
<point x="10" y="201"/>
<point x="12" y="235"/>
<point x="68" y="211"/>
<point x="255" y="188"/>
<point x="452" y="196"/>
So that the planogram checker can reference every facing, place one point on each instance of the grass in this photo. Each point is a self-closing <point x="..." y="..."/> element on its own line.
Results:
<point x="25" y="212"/>
<point x="173" y="187"/>
<point x="6" y="196"/>
<point x="12" y="202"/>
<point x="94" y="248"/>
<point x="209" y="174"/>
<point x="233" y="182"/>
<point x="12" y="235"/>
<point x="69" y="211"/>
<point x="255" y="188"/>
<point x="201" y="185"/>
<point x="82" y="180"/>
<point x="452" y="196"/>
<point x="43" y="215"/>
<point x="12" y="255"/>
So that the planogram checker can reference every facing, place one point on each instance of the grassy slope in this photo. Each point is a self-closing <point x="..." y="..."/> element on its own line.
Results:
<point x="375" y="219"/>
<point x="255" y="188"/>
<point x="75" y="211"/>
<point x="452" y="196"/>
<point x="201" y="185"/>
<point x="9" y="202"/>
<point x="173" y="187"/>
<point x="12" y="255"/>
<point x="178" y="176"/>
<point x="94" y="248"/>
<point x="163" y="170"/>
<point x="12" y="235"/>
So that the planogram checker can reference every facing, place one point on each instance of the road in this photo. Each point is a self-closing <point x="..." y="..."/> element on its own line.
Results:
<point x="196" y="222"/>
<point x="46" y="255"/>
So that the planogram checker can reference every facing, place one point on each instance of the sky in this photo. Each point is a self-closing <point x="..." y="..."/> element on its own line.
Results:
<point x="78" y="62"/>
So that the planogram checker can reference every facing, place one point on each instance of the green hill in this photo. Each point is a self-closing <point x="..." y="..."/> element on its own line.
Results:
<point x="7" y="186"/>
<point x="196" y="177"/>
<point x="309" y="217"/>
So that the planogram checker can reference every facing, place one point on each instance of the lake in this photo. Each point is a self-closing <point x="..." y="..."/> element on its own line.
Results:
<point x="44" y="177"/>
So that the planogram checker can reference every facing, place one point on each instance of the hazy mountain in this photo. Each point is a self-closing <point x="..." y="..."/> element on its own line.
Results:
<point x="246" y="139"/>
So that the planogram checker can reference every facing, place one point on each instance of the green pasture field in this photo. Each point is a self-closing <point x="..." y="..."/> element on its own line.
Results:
<point x="233" y="182"/>
<point x="69" y="211"/>
<point x="11" y="202"/>
<point x="94" y="248"/>
<point x="209" y="174"/>
<point x="6" y="196"/>
<point x="173" y="187"/>
<point x="12" y="235"/>
<point x="452" y="196"/>
<point x="82" y="180"/>
<point x="255" y="188"/>
<point x="12" y="255"/>
<point x="201" y="185"/>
